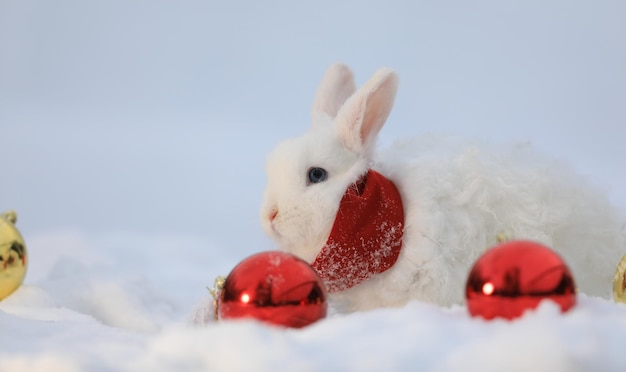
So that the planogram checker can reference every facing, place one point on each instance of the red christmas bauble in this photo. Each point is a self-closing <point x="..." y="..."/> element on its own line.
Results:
<point x="516" y="276"/>
<point x="274" y="287"/>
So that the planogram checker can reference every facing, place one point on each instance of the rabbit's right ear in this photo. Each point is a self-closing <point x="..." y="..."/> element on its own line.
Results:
<point x="334" y="89"/>
<point x="365" y="112"/>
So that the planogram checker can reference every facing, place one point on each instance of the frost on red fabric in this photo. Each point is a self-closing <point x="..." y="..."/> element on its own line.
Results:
<point x="366" y="236"/>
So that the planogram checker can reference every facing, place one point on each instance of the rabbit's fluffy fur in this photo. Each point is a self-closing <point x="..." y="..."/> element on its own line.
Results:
<point x="458" y="196"/>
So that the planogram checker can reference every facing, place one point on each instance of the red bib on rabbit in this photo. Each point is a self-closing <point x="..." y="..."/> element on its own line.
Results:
<point x="366" y="237"/>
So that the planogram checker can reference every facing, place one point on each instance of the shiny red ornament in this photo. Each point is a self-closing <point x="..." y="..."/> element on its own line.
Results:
<point x="274" y="287"/>
<point x="516" y="276"/>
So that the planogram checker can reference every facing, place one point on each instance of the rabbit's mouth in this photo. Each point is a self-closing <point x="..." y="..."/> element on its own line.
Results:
<point x="273" y="231"/>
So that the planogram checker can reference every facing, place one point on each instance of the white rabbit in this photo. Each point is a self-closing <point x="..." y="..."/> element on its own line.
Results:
<point x="456" y="195"/>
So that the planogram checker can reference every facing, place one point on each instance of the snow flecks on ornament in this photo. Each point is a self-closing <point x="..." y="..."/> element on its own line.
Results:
<point x="275" y="287"/>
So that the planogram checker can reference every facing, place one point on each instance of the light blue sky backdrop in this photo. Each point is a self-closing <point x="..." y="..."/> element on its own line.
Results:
<point x="156" y="116"/>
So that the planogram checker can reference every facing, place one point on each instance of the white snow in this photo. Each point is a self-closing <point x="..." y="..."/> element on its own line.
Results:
<point x="133" y="136"/>
<point x="119" y="303"/>
<point x="123" y="302"/>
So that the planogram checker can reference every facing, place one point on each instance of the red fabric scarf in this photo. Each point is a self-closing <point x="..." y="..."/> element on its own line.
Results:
<point x="366" y="237"/>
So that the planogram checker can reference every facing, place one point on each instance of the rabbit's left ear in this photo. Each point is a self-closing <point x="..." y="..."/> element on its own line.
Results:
<point x="363" y="115"/>
<point x="334" y="89"/>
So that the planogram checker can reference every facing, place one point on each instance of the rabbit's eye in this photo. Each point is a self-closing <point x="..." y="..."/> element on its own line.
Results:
<point x="316" y="175"/>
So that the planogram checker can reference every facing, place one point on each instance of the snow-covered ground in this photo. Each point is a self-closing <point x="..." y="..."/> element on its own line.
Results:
<point x="91" y="317"/>
<point x="122" y="303"/>
<point x="133" y="136"/>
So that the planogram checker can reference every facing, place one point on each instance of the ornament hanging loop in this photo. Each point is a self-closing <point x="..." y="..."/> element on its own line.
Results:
<point x="10" y="216"/>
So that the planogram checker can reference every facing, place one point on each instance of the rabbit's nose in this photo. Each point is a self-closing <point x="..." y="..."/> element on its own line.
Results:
<point x="273" y="214"/>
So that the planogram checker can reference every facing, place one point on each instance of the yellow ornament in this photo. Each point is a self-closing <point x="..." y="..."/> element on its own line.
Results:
<point x="619" y="281"/>
<point x="13" y="257"/>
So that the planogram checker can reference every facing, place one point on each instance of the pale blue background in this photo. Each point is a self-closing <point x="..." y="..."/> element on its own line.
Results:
<point x="156" y="116"/>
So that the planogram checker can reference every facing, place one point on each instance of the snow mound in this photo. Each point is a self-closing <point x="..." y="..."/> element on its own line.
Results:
<point x="100" y="310"/>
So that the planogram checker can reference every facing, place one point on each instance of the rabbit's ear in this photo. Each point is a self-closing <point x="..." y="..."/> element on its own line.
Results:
<point x="336" y="86"/>
<point x="365" y="112"/>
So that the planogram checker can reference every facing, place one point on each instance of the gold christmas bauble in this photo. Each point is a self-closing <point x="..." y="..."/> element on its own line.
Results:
<point x="13" y="257"/>
<point x="619" y="281"/>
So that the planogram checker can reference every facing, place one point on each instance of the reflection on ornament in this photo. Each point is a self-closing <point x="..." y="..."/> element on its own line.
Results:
<point x="274" y="287"/>
<point x="516" y="276"/>
<point x="619" y="281"/>
<point x="13" y="255"/>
